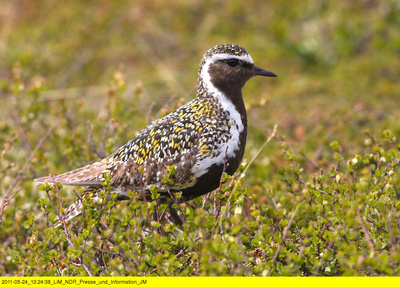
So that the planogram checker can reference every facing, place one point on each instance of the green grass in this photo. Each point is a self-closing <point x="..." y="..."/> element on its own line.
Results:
<point x="78" y="79"/>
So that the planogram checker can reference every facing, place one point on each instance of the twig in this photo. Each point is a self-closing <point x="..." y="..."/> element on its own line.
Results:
<point x="7" y="146"/>
<point x="108" y="127"/>
<point x="283" y="239"/>
<point x="91" y="142"/>
<point x="272" y="135"/>
<point x="380" y="227"/>
<point x="323" y="260"/>
<point x="149" y="112"/>
<point x="259" y="209"/>
<point x="63" y="220"/>
<point x="312" y="162"/>
<point x="82" y="265"/>
<point x="22" y="172"/>
<point x="20" y="129"/>
<point x="205" y="199"/>
<point x="366" y="233"/>
<point x="135" y="255"/>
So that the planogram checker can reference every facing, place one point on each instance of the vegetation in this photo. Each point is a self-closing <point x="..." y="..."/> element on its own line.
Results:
<point x="317" y="194"/>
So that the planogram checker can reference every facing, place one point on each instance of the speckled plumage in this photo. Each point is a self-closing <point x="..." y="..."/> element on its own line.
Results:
<point x="199" y="139"/>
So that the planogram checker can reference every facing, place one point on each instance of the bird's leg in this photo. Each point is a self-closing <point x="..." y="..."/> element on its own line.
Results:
<point x="175" y="218"/>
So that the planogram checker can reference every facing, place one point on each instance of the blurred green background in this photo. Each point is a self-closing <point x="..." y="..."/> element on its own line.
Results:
<point x="337" y="62"/>
<point x="120" y="64"/>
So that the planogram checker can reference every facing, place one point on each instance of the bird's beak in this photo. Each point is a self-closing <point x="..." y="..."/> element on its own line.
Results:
<point x="261" y="72"/>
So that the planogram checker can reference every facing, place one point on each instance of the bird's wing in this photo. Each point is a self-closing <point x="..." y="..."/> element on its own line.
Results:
<point x="172" y="140"/>
<point x="144" y="160"/>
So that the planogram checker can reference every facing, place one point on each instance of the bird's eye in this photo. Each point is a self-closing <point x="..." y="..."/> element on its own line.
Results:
<point x="232" y="62"/>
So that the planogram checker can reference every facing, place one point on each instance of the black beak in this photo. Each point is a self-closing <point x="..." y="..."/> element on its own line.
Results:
<point x="261" y="72"/>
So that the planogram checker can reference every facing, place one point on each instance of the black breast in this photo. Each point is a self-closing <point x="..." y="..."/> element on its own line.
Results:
<point x="211" y="179"/>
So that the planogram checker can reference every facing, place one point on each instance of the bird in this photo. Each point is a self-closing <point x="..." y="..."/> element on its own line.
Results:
<point x="200" y="140"/>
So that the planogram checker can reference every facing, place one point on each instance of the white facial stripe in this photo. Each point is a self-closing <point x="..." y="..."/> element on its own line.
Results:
<point x="246" y="58"/>
<point x="227" y="149"/>
<point x="206" y="77"/>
